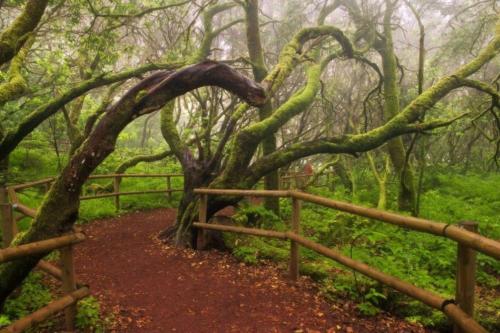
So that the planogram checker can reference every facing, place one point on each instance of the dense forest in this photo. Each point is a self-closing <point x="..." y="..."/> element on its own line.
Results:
<point x="389" y="104"/>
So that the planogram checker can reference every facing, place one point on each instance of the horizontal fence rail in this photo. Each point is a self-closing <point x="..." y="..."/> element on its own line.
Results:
<point x="460" y="312"/>
<point x="116" y="193"/>
<point x="73" y="292"/>
<point x="47" y="311"/>
<point x="12" y="253"/>
<point x="480" y="243"/>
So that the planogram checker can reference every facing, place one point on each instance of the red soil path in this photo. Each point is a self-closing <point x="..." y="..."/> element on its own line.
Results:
<point x="151" y="287"/>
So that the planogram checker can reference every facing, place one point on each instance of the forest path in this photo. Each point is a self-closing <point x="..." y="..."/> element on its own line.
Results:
<point x="151" y="287"/>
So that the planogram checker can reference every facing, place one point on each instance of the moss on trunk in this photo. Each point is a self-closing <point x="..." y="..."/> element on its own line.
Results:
<point x="17" y="33"/>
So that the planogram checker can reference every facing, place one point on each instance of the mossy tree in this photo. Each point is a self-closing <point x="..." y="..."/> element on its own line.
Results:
<point x="235" y="161"/>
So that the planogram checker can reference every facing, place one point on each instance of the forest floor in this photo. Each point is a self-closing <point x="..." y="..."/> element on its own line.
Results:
<point x="148" y="286"/>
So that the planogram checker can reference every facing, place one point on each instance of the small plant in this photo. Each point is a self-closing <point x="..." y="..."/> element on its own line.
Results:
<point x="368" y="309"/>
<point x="4" y="320"/>
<point x="246" y="254"/>
<point x="88" y="317"/>
<point x="256" y="216"/>
<point x="33" y="296"/>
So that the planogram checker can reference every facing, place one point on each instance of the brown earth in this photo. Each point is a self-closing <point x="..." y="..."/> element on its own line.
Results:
<point x="151" y="287"/>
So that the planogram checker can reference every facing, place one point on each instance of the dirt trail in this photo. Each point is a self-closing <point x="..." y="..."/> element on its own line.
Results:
<point x="151" y="287"/>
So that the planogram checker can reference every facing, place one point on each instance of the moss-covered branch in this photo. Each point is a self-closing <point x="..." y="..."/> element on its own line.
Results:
<point x="17" y="33"/>
<point x="16" y="85"/>
<point x="347" y="144"/>
<point x="14" y="136"/>
<point x="245" y="143"/>
<point x="132" y="162"/>
<point x="483" y="87"/>
<point x="171" y="135"/>
<point x="290" y="54"/>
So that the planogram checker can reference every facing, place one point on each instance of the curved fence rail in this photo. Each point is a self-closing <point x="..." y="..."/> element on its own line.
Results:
<point x="460" y="310"/>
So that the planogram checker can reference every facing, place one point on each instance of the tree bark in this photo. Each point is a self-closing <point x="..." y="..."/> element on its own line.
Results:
<point x="396" y="149"/>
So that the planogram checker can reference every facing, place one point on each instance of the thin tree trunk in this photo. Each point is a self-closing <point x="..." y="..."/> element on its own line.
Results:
<point x="271" y="180"/>
<point x="407" y="192"/>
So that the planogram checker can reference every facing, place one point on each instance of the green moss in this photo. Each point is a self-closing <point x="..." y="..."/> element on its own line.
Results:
<point x="13" y="38"/>
<point x="16" y="84"/>
<point x="140" y="95"/>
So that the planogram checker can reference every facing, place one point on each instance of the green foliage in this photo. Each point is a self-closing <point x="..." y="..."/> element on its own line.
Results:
<point x="4" y="320"/>
<point x="246" y="254"/>
<point x="33" y="295"/>
<point x="89" y="316"/>
<point x="368" y="309"/>
<point x="256" y="216"/>
<point x="424" y="260"/>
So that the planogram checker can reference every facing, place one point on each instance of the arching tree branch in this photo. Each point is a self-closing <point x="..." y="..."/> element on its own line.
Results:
<point x="59" y="210"/>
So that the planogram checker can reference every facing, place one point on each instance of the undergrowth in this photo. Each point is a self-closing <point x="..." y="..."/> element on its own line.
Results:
<point x="424" y="260"/>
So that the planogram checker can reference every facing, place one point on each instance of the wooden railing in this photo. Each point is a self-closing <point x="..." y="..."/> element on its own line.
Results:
<point x="460" y="310"/>
<point x="10" y="228"/>
<point x="30" y="212"/>
<point x="73" y="292"/>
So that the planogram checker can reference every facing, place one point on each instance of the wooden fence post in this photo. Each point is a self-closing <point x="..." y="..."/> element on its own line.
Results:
<point x="68" y="284"/>
<point x="466" y="275"/>
<point x="8" y="224"/>
<point x="202" y="218"/>
<point x="294" y="248"/>
<point x="169" y="188"/>
<point x="116" y="189"/>
<point x="202" y="215"/>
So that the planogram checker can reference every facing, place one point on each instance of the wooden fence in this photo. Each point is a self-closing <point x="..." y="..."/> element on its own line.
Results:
<point x="73" y="291"/>
<point x="117" y="178"/>
<point x="460" y="310"/>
